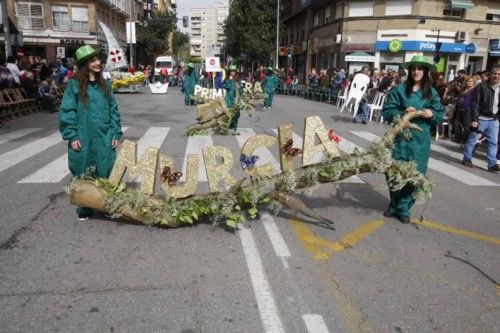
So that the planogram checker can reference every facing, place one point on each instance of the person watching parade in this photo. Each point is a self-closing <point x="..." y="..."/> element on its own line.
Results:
<point x="412" y="145"/>
<point x="270" y="85"/>
<point x="230" y="86"/>
<point x="89" y="120"/>
<point x="190" y="80"/>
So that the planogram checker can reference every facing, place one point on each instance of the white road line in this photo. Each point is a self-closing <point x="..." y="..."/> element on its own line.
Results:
<point x="17" y="134"/>
<point x="315" y="323"/>
<point x="265" y="155"/>
<point x="20" y="154"/>
<point x="344" y="145"/>
<point x="441" y="167"/>
<point x="195" y="145"/>
<point x="276" y="238"/>
<point x="153" y="137"/>
<point x="271" y="320"/>
<point x="54" y="172"/>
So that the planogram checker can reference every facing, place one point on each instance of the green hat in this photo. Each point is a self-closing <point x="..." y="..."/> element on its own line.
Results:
<point x="233" y="68"/>
<point x="421" y="61"/>
<point x="270" y="68"/>
<point x="190" y="64"/>
<point x="85" y="52"/>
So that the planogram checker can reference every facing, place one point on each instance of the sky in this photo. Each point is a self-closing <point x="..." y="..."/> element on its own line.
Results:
<point x="184" y="8"/>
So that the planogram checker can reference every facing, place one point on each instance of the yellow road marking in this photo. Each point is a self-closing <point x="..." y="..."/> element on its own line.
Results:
<point x="322" y="249"/>
<point x="457" y="231"/>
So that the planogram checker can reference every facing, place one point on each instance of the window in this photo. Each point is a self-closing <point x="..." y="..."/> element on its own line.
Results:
<point x="316" y="19"/>
<point x="29" y="15"/>
<point x="493" y="15"/>
<point x="60" y="17"/>
<point x="328" y="14"/>
<point x="339" y="8"/>
<point x="453" y="12"/>
<point x="360" y="8"/>
<point x="79" y="19"/>
<point x="398" y="7"/>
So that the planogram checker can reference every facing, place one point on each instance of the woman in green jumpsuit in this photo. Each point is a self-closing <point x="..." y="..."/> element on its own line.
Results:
<point x="89" y="120"/>
<point x="230" y="86"/>
<point x="412" y="145"/>
<point x="270" y="85"/>
<point x="190" y="80"/>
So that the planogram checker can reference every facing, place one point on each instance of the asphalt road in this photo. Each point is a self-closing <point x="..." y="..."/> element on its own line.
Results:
<point x="276" y="274"/>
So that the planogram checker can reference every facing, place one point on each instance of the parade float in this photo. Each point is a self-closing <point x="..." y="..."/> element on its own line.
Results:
<point x="122" y="80"/>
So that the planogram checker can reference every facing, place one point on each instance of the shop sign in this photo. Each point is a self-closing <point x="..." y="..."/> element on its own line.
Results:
<point x="470" y="48"/>
<point x="426" y="46"/>
<point x="71" y="41"/>
<point x="395" y="45"/>
<point x="495" y="44"/>
<point x="355" y="58"/>
<point x="357" y="47"/>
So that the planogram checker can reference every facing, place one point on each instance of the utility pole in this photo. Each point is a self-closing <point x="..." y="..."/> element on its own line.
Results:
<point x="132" y="31"/>
<point x="276" y="65"/>
<point x="6" y="28"/>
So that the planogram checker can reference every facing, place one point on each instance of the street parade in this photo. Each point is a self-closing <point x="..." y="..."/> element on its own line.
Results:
<point x="274" y="180"/>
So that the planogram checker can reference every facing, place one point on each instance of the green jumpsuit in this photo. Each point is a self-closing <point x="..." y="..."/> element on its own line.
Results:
<point x="95" y="125"/>
<point x="411" y="145"/>
<point x="270" y="84"/>
<point x="190" y="81"/>
<point x="230" y="86"/>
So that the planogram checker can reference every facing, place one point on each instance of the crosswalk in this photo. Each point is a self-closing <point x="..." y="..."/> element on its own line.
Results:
<point x="57" y="170"/>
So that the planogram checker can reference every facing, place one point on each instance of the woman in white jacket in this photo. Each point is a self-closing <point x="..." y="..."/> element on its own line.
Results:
<point x="12" y="67"/>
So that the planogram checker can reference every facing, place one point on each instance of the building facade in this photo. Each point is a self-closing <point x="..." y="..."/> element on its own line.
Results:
<point x="55" y="29"/>
<point x="385" y="33"/>
<point x="207" y="30"/>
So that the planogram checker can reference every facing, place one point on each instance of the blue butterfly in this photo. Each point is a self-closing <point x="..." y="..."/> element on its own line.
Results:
<point x="248" y="162"/>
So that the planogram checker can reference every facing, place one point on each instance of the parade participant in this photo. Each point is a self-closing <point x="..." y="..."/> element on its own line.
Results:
<point x="190" y="80"/>
<point x="485" y="109"/>
<point x="230" y="86"/>
<point x="89" y="120"/>
<point x="270" y="84"/>
<point x="412" y="145"/>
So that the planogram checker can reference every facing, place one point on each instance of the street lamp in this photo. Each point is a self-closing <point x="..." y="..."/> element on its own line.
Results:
<point x="277" y="32"/>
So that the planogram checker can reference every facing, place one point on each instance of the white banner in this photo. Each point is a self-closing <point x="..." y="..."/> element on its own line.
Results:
<point x="212" y="64"/>
<point x="131" y="32"/>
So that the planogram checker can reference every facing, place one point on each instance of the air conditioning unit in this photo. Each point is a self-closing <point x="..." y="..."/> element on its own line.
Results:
<point x="461" y="36"/>
<point x="338" y="38"/>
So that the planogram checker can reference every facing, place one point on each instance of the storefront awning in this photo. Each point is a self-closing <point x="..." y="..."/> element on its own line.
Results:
<point x="462" y="4"/>
<point x="360" y="56"/>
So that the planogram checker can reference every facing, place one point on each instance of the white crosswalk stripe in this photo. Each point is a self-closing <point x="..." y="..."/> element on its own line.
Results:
<point x="20" y="154"/>
<point x="195" y="145"/>
<point x="17" y="134"/>
<point x="54" y="172"/>
<point x="344" y="145"/>
<point x="441" y="167"/>
<point x="153" y="137"/>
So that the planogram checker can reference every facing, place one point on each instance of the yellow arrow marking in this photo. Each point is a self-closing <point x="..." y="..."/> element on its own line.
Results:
<point x="322" y="249"/>
<point x="457" y="231"/>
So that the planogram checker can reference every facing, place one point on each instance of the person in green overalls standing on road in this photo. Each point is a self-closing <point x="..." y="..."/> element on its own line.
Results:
<point x="89" y="120"/>
<point x="270" y="85"/>
<point x="190" y="80"/>
<point x="230" y="86"/>
<point x="415" y="94"/>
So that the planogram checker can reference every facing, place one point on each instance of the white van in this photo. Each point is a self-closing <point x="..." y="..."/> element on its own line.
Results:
<point x="164" y="62"/>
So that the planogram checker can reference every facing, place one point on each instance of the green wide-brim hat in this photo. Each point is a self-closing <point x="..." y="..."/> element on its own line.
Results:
<point x="419" y="60"/>
<point x="190" y="65"/>
<point x="233" y="68"/>
<point x="85" y="52"/>
<point x="270" y="68"/>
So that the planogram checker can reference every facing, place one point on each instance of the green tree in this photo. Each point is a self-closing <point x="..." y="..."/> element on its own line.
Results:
<point x="154" y="36"/>
<point x="250" y="28"/>
<point x="179" y="41"/>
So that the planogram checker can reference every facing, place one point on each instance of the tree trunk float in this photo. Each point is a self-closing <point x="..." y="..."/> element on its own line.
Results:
<point x="250" y="193"/>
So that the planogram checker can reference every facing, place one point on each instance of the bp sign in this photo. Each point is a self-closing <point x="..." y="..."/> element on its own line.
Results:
<point x="395" y="45"/>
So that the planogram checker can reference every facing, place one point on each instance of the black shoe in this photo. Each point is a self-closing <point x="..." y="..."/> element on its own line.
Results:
<point x="83" y="216"/>
<point x="354" y="121"/>
<point x="468" y="163"/>
<point x="363" y="122"/>
<point x="404" y="219"/>
<point x="388" y="214"/>
<point x="494" y="168"/>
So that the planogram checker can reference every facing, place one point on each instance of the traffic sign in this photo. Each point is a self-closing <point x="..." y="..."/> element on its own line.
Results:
<point x="212" y="64"/>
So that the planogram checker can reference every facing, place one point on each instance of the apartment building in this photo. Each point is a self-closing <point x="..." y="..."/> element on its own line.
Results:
<point x="207" y="30"/>
<point x="385" y="33"/>
<point x="52" y="26"/>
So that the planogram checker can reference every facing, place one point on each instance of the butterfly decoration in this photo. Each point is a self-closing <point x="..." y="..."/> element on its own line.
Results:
<point x="334" y="137"/>
<point x="248" y="162"/>
<point x="167" y="175"/>
<point x="289" y="151"/>
<point x="116" y="57"/>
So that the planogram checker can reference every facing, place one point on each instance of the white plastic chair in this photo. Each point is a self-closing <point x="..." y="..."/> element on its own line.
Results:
<point x="358" y="88"/>
<point x="341" y="98"/>
<point x="376" y="106"/>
